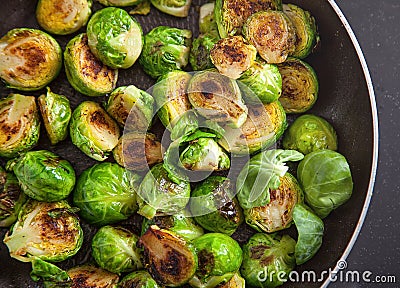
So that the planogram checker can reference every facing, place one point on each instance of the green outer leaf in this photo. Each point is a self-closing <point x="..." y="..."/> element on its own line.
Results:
<point x="52" y="275"/>
<point x="310" y="229"/>
<point x="177" y="8"/>
<point x="120" y="3"/>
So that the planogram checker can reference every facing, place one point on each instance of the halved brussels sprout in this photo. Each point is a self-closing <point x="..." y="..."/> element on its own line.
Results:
<point x="63" y="17"/>
<point x="178" y="8"/>
<point x="11" y="198"/>
<point x="87" y="74"/>
<point x="138" y="279"/>
<point x="129" y="102"/>
<point x="264" y="125"/>
<point x="115" y="37"/>
<point x="170" y="260"/>
<point x="199" y="56"/>
<point x="171" y="97"/>
<point x="90" y="276"/>
<point x="220" y="258"/>
<point x="19" y="125"/>
<point x="120" y="3"/>
<point x="230" y="15"/>
<point x="232" y="56"/>
<point x="207" y="23"/>
<point x="272" y="33"/>
<point x="309" y="133"/>
<point x="43" y="175"/>
<point x="305" y="28"/>
<point x="214" y="207"/>
<point x="278" y="213"/>
<point x="236" y="282"/>
<point x="299" y="85"/>
<point x="114" y="249"/>
<point x="30" y="59"/>
<point x="217" y="97"/>
<point x="93" y="131"/>
<point x="165" y="49"/>
<point x="56" y="113"/>
<point x="267" y="260"/>
<point x="105" y="193"/>
<point x="138" y="150"/>
<point x="49" y="231"/>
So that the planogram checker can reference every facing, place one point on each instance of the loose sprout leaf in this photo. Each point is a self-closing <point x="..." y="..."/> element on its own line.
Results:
<point x="52" y="275"/>
<point x="142" y="8"/>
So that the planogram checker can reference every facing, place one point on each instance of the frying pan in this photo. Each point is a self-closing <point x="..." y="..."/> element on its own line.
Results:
<point x="346" y="99"/>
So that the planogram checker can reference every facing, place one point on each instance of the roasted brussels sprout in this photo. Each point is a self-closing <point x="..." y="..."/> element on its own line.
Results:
<point x="305" y="29"/>
<point x="199" y="56"/>
<point x="29" y="59"/>
<point x="219" y="257"/>
<point x="264" y="125"/>
<point x="326" y="180"/>
<point x="299" y="86"/>
<point x="207" y="23"/>
<point x="129" y="102"/>
<point x="90" y="276"/>
<point x="136" y="151"/>
<point x="236" y="282"/>
<point x="93" y="131"/>
<point x="11" y="198"/>
<point x="114" y="249"/>
<point x="217" y="97"/>
<point x="43" y="175"/>
<point x="230" y="15"/>
<point x="165" y="49"/>
<point x="278" y="213"/>
<point x="170" y="260"/>
<point x="120" y="3"/>
<point x="19" y="125"/>
<point x="160" y="194"/>
<point x="49" y="231"/>
<point x="171" y="97"/>
<point x="115" y="37"/>
<point x="178" y="8"/>
<point x="214" y="207"/>
<point x="309" y="133"/>
<point x="105" y="194"/>
<point x="272" y="33"/>
<point x="63" y="17"/>
<point x="267" y="259"/>
<point x="56" y="113"/>
<point x="138" y="279"/>
<point x="232" y="56"/>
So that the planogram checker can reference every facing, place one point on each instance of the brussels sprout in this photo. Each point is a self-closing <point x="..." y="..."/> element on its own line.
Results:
<point x="305" y="28"/>
<point x="115" y="37"/>
<point x="138" y="151"/>
<point x="11" y="198"/>
<point x="326" y="180"/>
<point x="63" y="17"/>
<point x="165" y="49"/>
<point x="199" y="56"/>
<point x="272" y="33"/>
<point x="138" y="279"/>
<point x="56" y="113"/>
<point x="264" y="125"/>
<point x="30" y="59"/>
<point x="236" y="282"/>
<point x="278" y="213"/>
<point x="43" y="175"/>
<point x="105" y="194"/>
<point x="178" y="8"/>
<point x="120" y="3"/>
<point x="267" y="260"/>
<point x="230" y="15"/>
<point x="309" y="133"/>
<point x="170" y="260"/>
<point x="132" y="104"/>
<point x="19" y="125"/>
<point x="207" y="23"/>
<point x="160" y="194"/>
<point x="49" y="231"/>
<point x="171" y="98"/>
<point x="214" y="206"/>
<point x="114" y="249"/>
<point x="264" y="81"/>
<point x="299" y="85"/>
<point x="52" y="275"/>
<point x="232" y="56"/>
<point x="217" y="97"/>
<point x="93" y="131"/>
<point x="181" y="224"/>
<point x="220" y="258"/>
<point x="90" y="276"/>
<point x="87" y="74"/>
